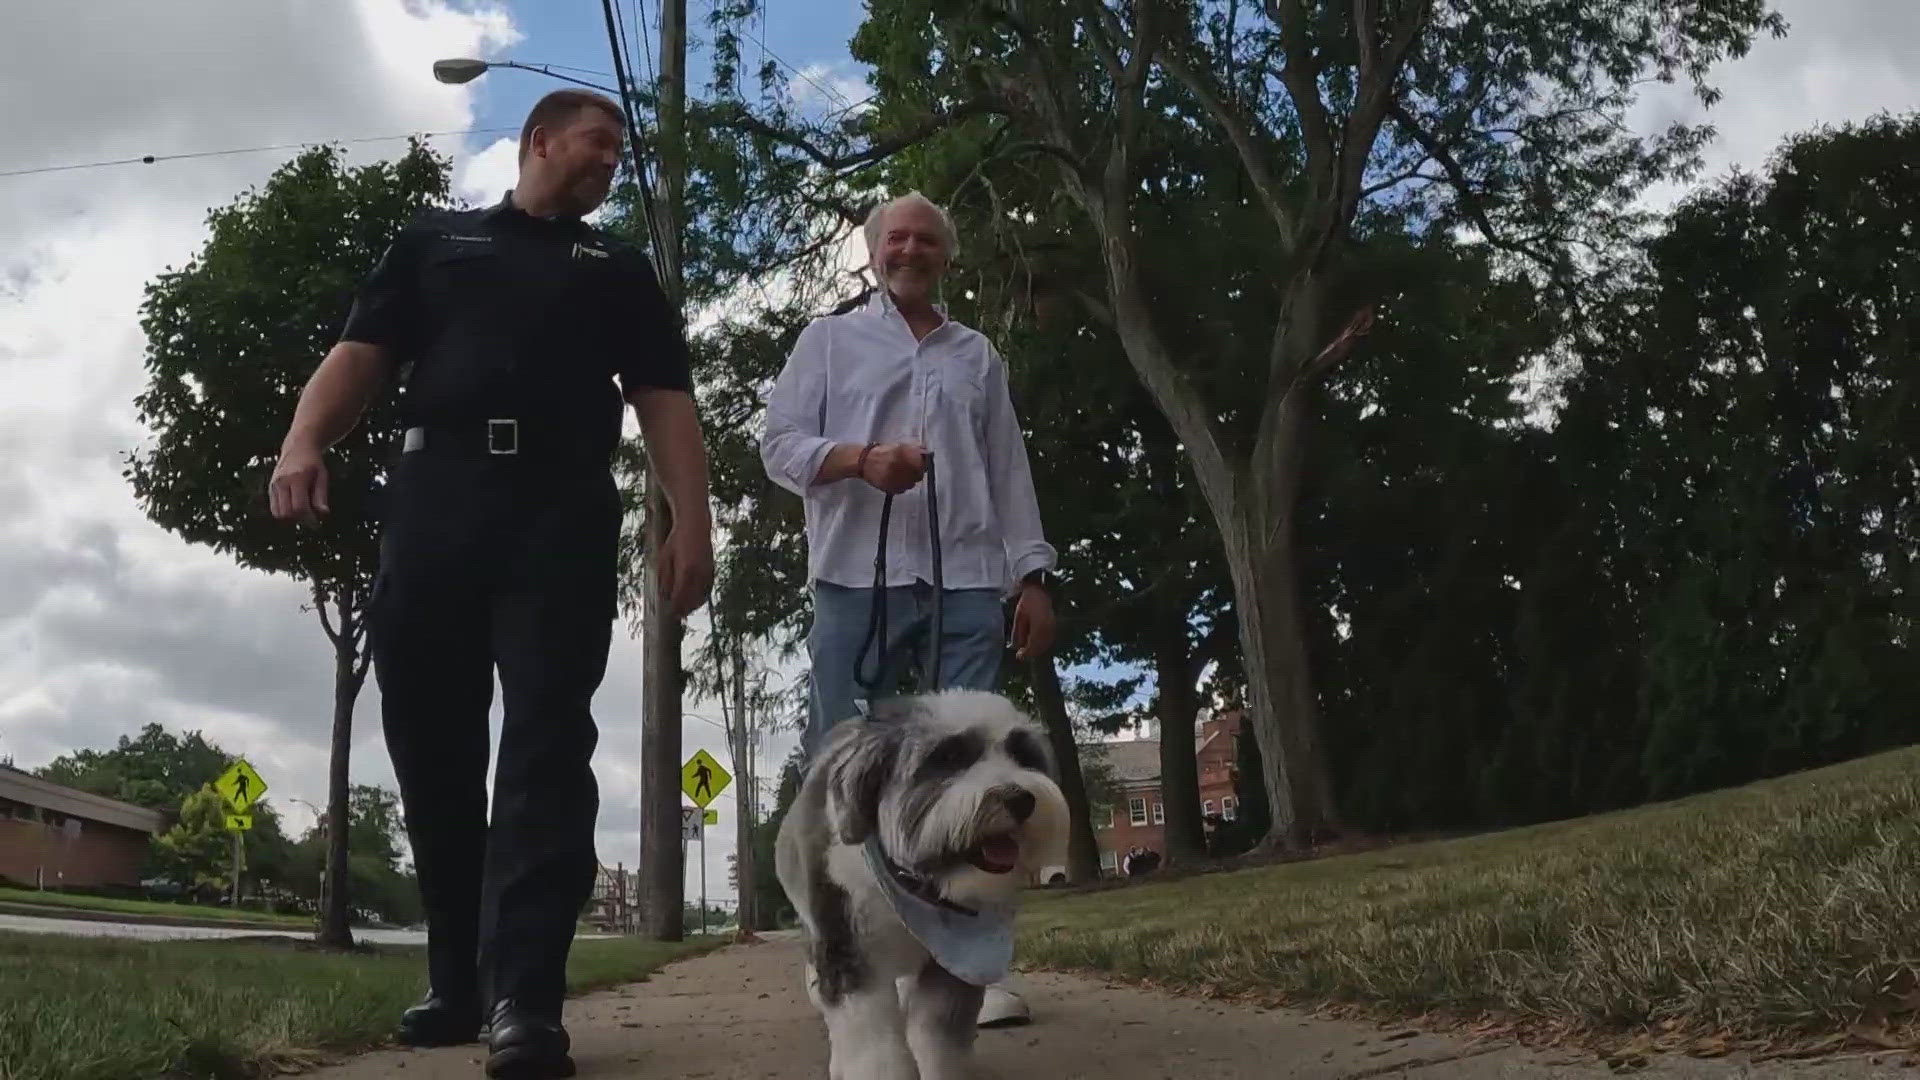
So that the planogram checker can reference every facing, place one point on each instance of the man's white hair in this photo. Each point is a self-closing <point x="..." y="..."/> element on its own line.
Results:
<point x="876" y="218"/>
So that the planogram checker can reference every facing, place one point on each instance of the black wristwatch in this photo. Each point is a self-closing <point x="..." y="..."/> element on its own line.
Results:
<point x="1040" y="578"/>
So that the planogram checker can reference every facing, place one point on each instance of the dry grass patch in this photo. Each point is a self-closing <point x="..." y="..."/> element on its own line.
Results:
<point x="1788" y="909"/>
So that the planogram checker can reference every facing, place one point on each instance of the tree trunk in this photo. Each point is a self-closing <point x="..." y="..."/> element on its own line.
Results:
<point x="1176" y="706"/>
<point x="1282" y="708"/>
<point x="336" y="927"/>
<point x="1083" y="855"/>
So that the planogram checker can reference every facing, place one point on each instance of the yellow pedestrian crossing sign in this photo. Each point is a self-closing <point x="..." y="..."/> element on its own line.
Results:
<point x="713" y="817"/>
<point x="702" y="778"/>
<point x="239" y="822"/>
<point x="240" y="786"/>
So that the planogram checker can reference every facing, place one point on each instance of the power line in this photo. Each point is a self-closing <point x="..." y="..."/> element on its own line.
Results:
<point x="760" y="40"/>
<point x="151" y="159"/>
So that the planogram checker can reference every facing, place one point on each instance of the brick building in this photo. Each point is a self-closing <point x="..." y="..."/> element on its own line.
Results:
<point x="54" y="836"/>
<point x="1138" y="815"/>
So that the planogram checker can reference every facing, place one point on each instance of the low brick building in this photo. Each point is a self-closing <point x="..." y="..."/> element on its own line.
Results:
<point x="1138" y="816"/>
<point x="54" y="836"/>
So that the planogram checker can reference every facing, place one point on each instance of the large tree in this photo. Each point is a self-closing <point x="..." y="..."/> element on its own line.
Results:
<point x="155" y="769"/>
<point x="1267" y="136"/>
<point x="231" y="339"/>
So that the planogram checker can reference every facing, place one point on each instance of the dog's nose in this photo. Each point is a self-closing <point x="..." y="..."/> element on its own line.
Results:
<point x="1020" y="805"/>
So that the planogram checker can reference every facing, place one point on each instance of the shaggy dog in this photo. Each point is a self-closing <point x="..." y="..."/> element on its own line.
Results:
<point x="912" y="834"/>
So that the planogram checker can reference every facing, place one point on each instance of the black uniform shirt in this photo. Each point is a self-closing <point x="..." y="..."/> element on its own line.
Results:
<point x="494" y="313"/>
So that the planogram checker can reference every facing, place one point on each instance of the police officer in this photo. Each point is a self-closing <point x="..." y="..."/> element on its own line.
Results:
<point x="511" y="326"/>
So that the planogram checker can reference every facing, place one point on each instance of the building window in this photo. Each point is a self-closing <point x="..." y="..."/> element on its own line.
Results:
<point x="1109" y="861"/>
<point x="1137" y="810"/>
<point x="1103" y="820"/>
<point x="1159" y="814"/>
<point x="1206" y="807"/>
<point x="1228" y="807"/>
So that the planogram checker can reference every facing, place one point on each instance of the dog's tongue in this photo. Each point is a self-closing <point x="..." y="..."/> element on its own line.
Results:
<point x="999" y="854"/>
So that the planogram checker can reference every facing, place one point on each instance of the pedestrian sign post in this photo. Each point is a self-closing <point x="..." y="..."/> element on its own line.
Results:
<point x="693" y="826"/>
<point x="240" y="786"/>
<point x="702" y="778"/>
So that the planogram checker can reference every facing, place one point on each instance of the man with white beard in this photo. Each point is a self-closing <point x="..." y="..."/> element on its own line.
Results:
<point x="864" y="398"/>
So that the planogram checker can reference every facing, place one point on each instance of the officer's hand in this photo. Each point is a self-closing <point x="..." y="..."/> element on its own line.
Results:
<point x="894" y="467"/>
<point x="298" y="490"/>
<point x="686" y="570"/>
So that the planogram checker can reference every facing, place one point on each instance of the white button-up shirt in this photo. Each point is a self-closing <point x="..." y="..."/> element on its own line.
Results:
<point x="860" y="378"/>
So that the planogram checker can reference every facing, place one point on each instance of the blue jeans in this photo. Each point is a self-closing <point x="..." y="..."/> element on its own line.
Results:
<point x="972" y="639"/>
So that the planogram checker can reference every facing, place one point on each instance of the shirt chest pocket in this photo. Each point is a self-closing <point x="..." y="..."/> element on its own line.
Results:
<point x="962" y="387"/>
<point x="461" y="274"/>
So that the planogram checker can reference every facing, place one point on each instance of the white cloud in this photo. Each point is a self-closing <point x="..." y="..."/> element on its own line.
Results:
<point x="829" y="87"/>
<point x="486" y="176"/>
<point x="1838" y="63"/>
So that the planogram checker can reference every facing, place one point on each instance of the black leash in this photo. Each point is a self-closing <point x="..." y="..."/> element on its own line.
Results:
<point x="877" y="613"/>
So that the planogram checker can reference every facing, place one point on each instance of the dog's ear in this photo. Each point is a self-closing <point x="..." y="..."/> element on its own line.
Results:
<point x="858" y="764"/>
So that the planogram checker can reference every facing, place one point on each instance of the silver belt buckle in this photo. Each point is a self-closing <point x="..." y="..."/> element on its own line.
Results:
<point x="503" y="436"/>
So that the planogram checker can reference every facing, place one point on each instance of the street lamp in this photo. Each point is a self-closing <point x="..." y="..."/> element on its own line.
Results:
<point x="323" y="819"/>
<point x="464" y="70"/>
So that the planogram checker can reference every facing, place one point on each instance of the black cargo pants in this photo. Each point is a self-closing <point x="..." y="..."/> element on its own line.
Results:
<point x="504" y="561"/>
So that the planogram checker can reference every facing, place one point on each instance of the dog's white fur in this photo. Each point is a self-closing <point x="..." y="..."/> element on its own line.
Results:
<point x="891" y="1012"/>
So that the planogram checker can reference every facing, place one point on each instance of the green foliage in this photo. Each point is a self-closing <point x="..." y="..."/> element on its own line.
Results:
<point x="197" y="853"/>
<point x="1142" y="167"/>
<point x="1606" y="508"/>
<point x="231" y="340"/>
<point x="155" y="769"/>
<point x="378" y="881"/>
<point x="770" y="900"/>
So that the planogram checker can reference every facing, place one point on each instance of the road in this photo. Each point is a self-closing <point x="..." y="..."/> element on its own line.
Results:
<point x="34" y="924"/>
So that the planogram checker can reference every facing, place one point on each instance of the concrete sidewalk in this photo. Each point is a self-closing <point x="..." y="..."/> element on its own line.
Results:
<point x="740" y="1013"/>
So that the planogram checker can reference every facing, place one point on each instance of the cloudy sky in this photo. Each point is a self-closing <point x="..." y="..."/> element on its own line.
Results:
<point x="107" y="622"/>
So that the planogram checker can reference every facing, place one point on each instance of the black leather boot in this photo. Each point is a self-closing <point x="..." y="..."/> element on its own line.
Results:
<point x="527" y="1044"/>
<point x="440" y="1020"/>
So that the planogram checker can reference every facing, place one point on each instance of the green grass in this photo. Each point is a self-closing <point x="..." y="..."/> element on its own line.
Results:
<point x="1788" y="909"/>
<point x="146" y="907"/>
<point x="101" y="1009"/>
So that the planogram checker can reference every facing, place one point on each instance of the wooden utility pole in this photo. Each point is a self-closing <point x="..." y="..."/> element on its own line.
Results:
<point x="662" y="861"/>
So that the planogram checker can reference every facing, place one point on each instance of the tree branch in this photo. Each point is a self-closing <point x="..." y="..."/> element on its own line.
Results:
<point x="1301" y="78"/>
<point x="1239" y="129"/>
<point x="1364" y="16"/>
<point x="326" y="620"/>
<point x="1395" y="181"/>
<point x="737" y="118"/>
<point x="1469" y="198"/>
<point x="1328" y="358"/>
<point x="1378" y="74"/>
<point x="1103" y="38"/>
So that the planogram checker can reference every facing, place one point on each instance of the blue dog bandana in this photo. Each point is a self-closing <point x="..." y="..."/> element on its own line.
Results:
<point x="973" y="945"/>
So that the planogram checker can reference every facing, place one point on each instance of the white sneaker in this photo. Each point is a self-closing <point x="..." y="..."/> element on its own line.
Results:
<point x="1003" y="1008"/>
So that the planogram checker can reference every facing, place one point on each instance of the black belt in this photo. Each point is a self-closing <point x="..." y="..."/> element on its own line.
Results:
<point x="506" y="438"/>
